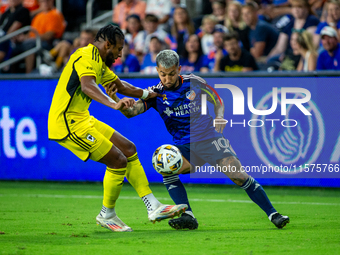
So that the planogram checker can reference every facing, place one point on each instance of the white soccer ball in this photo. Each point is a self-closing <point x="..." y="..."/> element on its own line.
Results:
<point x="167" y="159"/>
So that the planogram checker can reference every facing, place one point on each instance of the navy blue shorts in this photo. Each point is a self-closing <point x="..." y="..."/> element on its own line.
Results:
<point x="207" y="151"/>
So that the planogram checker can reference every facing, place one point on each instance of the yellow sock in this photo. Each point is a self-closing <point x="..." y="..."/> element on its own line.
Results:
<point x="113" y="183"/>
<point x="136" y="176"/>
<point x="59" y="62"/>
<point x="53" y="52"/>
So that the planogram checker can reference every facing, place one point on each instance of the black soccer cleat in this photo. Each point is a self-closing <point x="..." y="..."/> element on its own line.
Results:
<point x="186" y="221"/>
<point x="279" y="220"/>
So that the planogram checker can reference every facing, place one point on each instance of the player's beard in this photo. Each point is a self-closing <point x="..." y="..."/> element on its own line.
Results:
<point x="109" y="60"/>
<point x="171" y="87"/>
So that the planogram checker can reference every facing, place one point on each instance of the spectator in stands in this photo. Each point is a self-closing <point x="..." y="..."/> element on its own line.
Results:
<point x="262" y="36"/>
<point x="149" y="62"/>
<point x="134" y="26"/>
<point x="61" y="52"/>
<point x="217" y="52"/>
<point x="49" y="24"/>
<point x="15" y="17"/>
<point x="317" y="6"/>
<point x="128" y="63"/>
<point x="234" y="22"/>
<point x="160" y="8"/>
<point x="302" y="18"/>
<point x="181" y="28"/>
<point x="174" y="4"/>
<point x="329" y="59"/>
<point x="31" y="5"/>
<point x="276" y="9"/>
<point x="3" y="6"/>
<point x="205" y="32"/>
<point x="332" y="19"/>
<point x="302" y="44"/>
<point x="125" y="8"/>
<point x="151" y="29"/>
<point x="273" y="10"/>
<point x="192" y="60"/>
<point x="238" y="59"/>
<point x="219" y="10"/>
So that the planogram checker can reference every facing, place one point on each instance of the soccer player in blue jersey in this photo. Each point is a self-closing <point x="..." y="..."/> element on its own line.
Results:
<point x="194" y="134"/>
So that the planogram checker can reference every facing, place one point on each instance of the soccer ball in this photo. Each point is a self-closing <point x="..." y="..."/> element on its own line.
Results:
<point x="167" y="159"/>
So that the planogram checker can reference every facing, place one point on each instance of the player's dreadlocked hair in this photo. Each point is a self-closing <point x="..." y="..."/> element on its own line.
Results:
<point x="109" y="32"/>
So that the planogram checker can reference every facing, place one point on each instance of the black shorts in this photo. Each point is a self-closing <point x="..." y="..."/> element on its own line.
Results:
<point x="207" y="151"/>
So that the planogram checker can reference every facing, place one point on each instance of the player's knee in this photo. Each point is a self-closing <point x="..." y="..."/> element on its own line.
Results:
<point x="119" y="161"/>
<point x="130" y="150"/>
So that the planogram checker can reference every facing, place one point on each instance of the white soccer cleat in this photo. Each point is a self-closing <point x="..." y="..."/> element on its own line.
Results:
<point x="166" y="211"/>
<point x="114" y="224"/>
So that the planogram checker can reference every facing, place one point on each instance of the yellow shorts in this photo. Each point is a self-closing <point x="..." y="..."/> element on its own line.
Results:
<point x="92" y="142"/>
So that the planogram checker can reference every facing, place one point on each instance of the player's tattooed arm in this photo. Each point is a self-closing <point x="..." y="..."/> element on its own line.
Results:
<point x="135" y="110"/>
<point x="130" y="112"/>
<point x="127" y="89"/>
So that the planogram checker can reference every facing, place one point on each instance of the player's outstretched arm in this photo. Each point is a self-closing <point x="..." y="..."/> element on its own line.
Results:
<point x="130" y="112"/>
<point x="128" y="89"/>
<point x="91" y="89"/>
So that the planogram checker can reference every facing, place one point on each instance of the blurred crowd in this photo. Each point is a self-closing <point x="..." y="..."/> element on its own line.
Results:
<point x="228" y="36"/>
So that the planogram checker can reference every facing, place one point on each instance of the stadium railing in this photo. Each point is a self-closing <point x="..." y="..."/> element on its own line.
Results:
<point x="59" y="5"/>
<point x="26" y="53"/>
<point x="90" y="21"/>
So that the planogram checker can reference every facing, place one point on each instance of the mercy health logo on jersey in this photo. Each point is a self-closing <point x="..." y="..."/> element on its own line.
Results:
<point x="182" y="110"/>
<point x="19" y="137"/>
<point x="292" y="146"/>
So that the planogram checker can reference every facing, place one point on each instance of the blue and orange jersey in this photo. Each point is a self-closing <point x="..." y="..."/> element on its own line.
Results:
<point x="180" y="109"/>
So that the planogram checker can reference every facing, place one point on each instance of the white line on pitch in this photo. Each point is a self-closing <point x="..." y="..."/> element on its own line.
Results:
<point x="164" y="198"/>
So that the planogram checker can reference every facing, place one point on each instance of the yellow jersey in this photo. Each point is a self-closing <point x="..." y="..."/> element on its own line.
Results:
<point x="69" y="109"/>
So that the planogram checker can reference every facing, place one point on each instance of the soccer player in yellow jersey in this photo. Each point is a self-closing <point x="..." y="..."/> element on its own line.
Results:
<point x="72" y="126"/>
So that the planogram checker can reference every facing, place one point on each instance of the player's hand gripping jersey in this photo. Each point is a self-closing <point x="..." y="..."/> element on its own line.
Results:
<point x="180" y="109"/>
<point x="69" y="108"/>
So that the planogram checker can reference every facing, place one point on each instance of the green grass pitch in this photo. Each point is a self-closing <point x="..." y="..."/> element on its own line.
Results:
<point x="59" y="218"/>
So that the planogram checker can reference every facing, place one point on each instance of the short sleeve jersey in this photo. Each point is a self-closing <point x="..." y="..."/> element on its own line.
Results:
<point x="264" y="32"/>
<point x="188" y="67"/>
<point x="180" y="109"/>
<point x="246" y="60"/>
<point x="311" y="21"/>
<point x="69" y="103"/>
<point x="327" y="62"/>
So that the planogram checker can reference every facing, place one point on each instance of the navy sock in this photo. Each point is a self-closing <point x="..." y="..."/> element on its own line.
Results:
<point x="258" y="195"/>
<point x="176" y="190"/>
